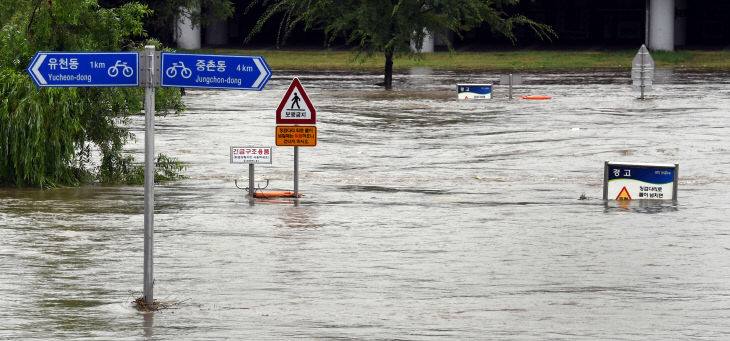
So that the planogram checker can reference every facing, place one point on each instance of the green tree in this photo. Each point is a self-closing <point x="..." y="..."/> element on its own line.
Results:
<point x="389" y="26"/>
<point x="48" y="135"/>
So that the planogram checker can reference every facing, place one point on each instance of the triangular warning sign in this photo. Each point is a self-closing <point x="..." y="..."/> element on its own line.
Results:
<point x="624" y="194"/>
<point x="295" y="107"/>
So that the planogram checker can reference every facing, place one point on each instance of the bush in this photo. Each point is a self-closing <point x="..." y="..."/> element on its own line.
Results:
<point x="47" y="134"/>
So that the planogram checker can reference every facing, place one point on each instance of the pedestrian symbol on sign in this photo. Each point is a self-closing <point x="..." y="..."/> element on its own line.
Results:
<point x="295" y="101"/>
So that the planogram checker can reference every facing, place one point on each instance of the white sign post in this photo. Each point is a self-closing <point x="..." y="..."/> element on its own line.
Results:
<point x="251" y="156"/>
<point x="642" y="71"/>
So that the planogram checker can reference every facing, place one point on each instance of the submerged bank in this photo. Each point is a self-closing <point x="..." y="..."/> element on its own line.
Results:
<point x="497" y="60"/>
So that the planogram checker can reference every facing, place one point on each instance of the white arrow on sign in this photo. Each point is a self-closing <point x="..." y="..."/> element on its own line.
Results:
<point x="36" y="66"/>
<point x="262" y="73"/>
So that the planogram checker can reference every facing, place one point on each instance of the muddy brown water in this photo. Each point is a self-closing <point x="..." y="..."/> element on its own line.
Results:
<point x="424" y="218"/>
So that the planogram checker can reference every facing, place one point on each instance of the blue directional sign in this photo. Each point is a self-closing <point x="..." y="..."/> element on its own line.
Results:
<point x="214" y="71"/>
<point x="84" y="69"/>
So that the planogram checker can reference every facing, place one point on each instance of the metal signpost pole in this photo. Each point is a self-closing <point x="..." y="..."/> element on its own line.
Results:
<point x="676" y="181"/>
<point x="149" y="174"/>
<point x="296" y="172"/>
<point x="251" y="189"/>
<point x="510" y="86"/>
<point x="605" y="180"/>
<point x="642" y="71"/>
<point x="642" y="76"/>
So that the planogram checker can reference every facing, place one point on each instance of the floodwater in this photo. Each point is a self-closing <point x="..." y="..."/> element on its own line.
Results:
<point x="423" y="218"/>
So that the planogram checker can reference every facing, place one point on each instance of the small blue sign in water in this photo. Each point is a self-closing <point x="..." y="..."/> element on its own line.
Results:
<point x="474" y="91"/>
<point x="211" y="71"/>
<point x="84" y="69"/>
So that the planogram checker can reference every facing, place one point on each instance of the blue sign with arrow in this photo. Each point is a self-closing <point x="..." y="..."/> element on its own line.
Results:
<point x="84" y="69"/>
<point x="232" y="72"/>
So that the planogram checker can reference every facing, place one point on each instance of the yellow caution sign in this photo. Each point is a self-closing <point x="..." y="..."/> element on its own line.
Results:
<point x="624" y="194"/>
<point x="296" y="136"/>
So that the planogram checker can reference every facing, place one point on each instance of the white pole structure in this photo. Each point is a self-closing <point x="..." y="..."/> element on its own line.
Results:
<point x="188" y="34"/>
<point x="661" y="25"/>
<point x="647" y="19"/>
<point x="149" y="175"/>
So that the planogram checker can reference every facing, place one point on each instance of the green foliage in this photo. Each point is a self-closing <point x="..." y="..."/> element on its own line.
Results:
<point x="389" y="26"/>
<point x="47" y="135"/>
<point x="37" y="148"/>
<point x="166" y="169"/>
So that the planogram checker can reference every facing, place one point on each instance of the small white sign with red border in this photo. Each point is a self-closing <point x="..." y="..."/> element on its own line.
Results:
<point x="251" y="155"/>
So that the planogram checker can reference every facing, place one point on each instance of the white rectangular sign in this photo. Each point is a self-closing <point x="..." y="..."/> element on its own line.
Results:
<point x="631" y="181"/>
<point x="474" y="91"/>
<point x="251" y="155"/>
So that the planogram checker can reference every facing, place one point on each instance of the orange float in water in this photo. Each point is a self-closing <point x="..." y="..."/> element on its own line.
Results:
<point x="275" y="194"/>
<point x="534" y="97"/>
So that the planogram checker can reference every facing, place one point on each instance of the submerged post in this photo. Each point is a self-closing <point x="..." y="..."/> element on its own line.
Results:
<point x="251" y="190"/>
<point x="643" y="76"/>
<point x="296" y="172"/>
<point x="149" y="174"/>
<point x="642" y="71"/>
<point x="510" y="86"/>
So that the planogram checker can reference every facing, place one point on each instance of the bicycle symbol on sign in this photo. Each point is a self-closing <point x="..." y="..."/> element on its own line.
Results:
<point x="113" y="71"/>
<point x="171" y="72"/>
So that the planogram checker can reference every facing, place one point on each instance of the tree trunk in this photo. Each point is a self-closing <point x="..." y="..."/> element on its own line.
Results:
<point x="388" y="80"/>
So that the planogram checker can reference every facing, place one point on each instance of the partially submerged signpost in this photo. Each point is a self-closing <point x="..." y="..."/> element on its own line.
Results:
<point x="631" y="181"/>
<point x="296" y="108"/>
<point x="251" y="156"/>
<point x="510" y="80"/>
<point x="642" y="71"/>
<point x="113" y="69"/>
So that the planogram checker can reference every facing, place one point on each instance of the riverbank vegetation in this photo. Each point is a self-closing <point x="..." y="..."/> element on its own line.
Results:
<point x="390" y="28"/>
<point x="68" y="136"/>
<point x="494" y="60"/>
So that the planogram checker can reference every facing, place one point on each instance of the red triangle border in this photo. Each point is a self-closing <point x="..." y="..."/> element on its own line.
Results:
<point x="296" y="84"/>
